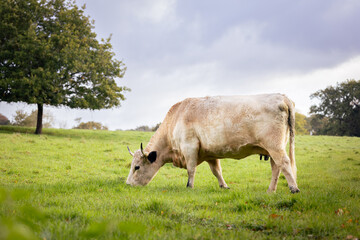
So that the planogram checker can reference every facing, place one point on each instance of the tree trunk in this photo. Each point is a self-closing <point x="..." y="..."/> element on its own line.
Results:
<point x="39" y="119"/>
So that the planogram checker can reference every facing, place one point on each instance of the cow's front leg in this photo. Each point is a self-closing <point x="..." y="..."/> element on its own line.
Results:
<point x="191" y="169"/>
<point x="216" y="170"/>
<point x="190" y="150"/>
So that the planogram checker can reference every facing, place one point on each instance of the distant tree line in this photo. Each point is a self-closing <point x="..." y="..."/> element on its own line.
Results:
<point x="91" y="125"/>
<point x="24" y="119"/>
<point x="145" y="128"/>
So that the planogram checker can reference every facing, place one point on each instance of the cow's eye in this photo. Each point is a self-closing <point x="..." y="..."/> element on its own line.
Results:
<point x="137" y="168"/>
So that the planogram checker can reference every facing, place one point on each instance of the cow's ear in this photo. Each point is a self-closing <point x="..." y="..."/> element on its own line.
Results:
<point x="152" y="156"/>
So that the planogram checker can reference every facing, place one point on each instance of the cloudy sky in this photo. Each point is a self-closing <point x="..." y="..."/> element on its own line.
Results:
<point x="174" y="49"/>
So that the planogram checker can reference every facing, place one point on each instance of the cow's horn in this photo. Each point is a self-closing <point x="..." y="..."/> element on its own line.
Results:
<point x="131" y="153"/>
<point x="142" y="151"/>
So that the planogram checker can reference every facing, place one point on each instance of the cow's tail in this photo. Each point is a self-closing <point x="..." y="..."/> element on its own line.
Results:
<point x="291" y="123"/>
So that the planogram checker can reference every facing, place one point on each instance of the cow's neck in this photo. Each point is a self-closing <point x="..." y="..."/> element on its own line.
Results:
<point x="159" y="143"/>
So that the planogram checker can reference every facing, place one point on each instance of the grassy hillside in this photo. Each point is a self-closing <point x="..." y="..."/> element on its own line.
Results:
<point x="70" y="184"/>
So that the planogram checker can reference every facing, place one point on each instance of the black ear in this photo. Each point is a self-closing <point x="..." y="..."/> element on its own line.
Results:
<point x="152" y="156"/>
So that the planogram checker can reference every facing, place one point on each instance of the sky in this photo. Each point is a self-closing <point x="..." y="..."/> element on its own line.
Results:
<point x="175" y="49"/>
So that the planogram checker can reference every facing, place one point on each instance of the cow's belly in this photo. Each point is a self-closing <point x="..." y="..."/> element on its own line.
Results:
<point x="222" y="141"/>
<point x="231" y="152"/>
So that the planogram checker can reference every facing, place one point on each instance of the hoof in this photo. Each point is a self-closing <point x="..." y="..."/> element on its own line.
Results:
<point x="294" y="190"/>
<point x="225" y="187"/>
<point x="188" y="185"/>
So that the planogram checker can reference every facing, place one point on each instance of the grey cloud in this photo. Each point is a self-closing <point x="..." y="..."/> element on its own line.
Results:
<point x="177" y="49"/>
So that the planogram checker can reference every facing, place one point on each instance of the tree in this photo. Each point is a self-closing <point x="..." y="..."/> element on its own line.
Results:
<point x="4" y="120"/>
<point x="340" y="107"/>
<point x="19" y="118"/>
<point x="50" y="55"/>
<point x="91" y="125"/>
<point x="318" y="124"/>
<point x="301" y="124"/>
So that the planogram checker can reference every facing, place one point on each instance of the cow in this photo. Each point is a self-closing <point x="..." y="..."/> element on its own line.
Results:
<point x="212" y="128"/>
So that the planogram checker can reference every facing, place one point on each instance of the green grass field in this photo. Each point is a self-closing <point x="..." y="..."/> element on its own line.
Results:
<point x="70" y="184"/>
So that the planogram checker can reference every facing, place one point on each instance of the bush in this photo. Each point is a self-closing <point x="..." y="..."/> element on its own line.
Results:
<point x="91" y="125"/>
<point x="4" y="120"/>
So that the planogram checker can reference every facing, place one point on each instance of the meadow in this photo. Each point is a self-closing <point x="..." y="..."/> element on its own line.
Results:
<point x="70" y="184"/>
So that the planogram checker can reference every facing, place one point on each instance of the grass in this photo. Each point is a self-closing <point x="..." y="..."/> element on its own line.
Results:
<point x="70" y="184"/>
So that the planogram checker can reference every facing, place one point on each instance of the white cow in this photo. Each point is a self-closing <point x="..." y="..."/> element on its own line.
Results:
<point x="210" y="128"/>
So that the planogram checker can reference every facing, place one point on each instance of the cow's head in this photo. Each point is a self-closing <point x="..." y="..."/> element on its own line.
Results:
<point x="143" y="167"/>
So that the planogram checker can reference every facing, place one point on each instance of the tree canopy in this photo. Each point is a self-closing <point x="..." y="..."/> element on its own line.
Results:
<point x="49" y="54"/>
<point x="339" y="109"/>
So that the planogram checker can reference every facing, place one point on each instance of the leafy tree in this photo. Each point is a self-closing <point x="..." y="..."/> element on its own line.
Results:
<point x="317" y="124"/>
<point x="4" y="120"/>
<point x="91" y="125"/>
<point x="19" y="118"/>
<point x="49" y="54"/>
<point x="301" y="124"/>
<point x="340" y="105"/>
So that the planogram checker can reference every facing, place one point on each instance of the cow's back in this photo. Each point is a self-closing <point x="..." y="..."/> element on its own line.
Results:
<point x="225" y="125"/>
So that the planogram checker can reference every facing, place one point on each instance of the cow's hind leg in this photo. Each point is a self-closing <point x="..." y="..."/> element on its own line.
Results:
<point x="216" y="170"/>
<point x="275" y="176"/>
<point x="282" y="161"/>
